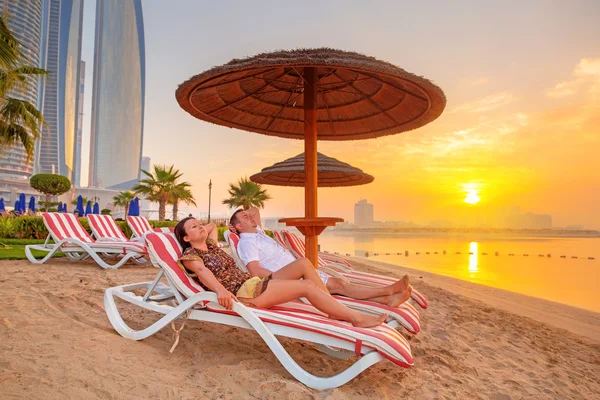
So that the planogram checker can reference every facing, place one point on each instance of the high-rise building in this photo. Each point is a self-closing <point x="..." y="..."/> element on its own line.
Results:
<point x="118" y="94"/>
<point x="26" y="20"/>
<point x="363" y="213"/>
<point x="61" y="97"/>
<point x="77" y="166"/>
<point x="145" y="165"/>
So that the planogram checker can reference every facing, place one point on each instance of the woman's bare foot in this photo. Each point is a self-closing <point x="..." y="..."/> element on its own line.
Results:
<point x="400" y="285"/>
<point x="369" y="321"/>
<point x="399" y="298"/>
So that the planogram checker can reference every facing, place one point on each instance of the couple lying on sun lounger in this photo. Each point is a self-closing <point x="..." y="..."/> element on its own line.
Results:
<point x="275" y="275"/>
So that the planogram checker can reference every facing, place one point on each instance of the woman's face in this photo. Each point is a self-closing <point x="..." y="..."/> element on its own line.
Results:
<point x="194" y="231"/>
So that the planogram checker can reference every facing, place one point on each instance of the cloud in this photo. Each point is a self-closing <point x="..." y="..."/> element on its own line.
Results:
<point x="472" y="82"/>
<point x="586" y="75"/>
<point x="488" y="103"/>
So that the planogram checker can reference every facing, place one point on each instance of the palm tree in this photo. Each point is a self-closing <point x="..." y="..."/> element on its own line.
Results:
<point x="181" y="192"/>
<point x="123" y="199"/>
<point x="246" y="194"/>
<point x="20" y="120"/>
<point x="158" y="185"/>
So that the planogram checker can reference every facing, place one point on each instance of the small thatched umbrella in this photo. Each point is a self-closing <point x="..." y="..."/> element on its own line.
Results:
<point x="312" y="94"/>
<point x="330" y="173"/>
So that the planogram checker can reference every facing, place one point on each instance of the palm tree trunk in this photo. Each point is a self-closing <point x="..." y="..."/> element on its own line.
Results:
<point x="175" y="210"/>
<point x="126" y="211"/>
<point x="161" y="210"/>
<point x="47" y="202"/>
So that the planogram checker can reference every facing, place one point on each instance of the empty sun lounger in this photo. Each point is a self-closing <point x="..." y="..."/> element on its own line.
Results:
<point x="296" y="246"/>
<point x="292" y="320"/>
<point x="405" y="315"/>
<point x="140" y="225"/>
<point x="71" y="238"/>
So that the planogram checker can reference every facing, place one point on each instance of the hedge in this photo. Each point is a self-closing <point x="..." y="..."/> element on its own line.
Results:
<point x="28" y="227"/>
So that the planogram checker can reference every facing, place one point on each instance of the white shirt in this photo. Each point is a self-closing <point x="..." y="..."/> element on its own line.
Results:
<point x="260" y="247"/>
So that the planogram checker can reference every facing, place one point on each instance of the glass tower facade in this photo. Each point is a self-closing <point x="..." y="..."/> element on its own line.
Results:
<point x="61" y="97"/>
<point x="77" y="167"/>
<point x="26" y="20"/>
<point x="118" y="94"/>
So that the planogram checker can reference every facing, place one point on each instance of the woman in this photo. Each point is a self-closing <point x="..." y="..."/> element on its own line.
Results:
<point x="216" y="271"/>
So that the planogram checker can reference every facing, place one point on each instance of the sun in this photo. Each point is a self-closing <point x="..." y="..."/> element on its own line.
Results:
<point x="472" y="193"/>
<point x="472" y="197"/>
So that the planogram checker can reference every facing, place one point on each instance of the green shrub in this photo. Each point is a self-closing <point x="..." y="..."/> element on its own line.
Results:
<point x="8" y="227"/>
<point x="30" y="228"/>
<point x="50" y="185"/>
<point x="105" y="211"/>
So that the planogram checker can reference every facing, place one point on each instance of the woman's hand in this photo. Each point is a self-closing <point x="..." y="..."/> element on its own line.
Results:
<point x="226" y="298"/>
<point x="232" y="229"/>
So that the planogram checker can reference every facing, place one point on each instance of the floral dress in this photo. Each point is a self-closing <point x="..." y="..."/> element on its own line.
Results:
<point x="223" y="267"/>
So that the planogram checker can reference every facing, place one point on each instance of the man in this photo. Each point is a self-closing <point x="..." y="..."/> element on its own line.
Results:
<point x="262" y="256"/>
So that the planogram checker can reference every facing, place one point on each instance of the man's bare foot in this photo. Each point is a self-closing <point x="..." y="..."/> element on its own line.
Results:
<point x="398" y="298"/>
<point x="369" y="321"/>
<point x="400" y="285"/>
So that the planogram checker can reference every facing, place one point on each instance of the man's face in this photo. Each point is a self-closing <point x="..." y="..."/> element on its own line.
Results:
<point x="245" y="221"/>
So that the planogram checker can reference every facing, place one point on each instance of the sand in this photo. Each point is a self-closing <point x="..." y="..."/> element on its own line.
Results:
<point x="56" y="342"/>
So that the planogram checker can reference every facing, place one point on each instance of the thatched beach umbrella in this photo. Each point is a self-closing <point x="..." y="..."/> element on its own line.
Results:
<point x="330" y="173"/>
<point x="312" y="94"/>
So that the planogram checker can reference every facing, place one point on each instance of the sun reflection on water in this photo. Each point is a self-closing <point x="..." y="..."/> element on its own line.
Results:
<point x="473" y="258"/>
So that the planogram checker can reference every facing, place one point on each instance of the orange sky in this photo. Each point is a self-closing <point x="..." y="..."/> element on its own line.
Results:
<point x="522" y="123"/>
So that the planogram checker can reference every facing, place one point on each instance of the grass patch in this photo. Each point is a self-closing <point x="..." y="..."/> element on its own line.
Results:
<point x="10" y="242"/>
<point x="17" y="251"/>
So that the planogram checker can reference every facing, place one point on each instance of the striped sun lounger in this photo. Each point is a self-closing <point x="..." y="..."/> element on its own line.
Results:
<point x="140" y="225"/>
<point x="71" y="238"/>
<point x="292" y="320"/>
<point x="296" y="246"/>
<point x="405" y="315"/>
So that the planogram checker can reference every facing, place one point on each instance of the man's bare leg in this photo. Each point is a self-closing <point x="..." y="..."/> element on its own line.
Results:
<point x="363" y="292"/>
<point x="300" y="268"/>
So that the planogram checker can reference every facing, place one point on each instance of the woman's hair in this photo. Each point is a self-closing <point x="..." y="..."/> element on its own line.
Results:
<point x="180" y="233"/>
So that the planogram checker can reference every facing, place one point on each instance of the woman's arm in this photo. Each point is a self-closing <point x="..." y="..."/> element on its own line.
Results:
<point x="211" y="230"/>
<point x="226" y="298"/>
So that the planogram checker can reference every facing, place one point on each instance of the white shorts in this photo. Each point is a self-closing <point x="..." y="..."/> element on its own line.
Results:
<point x="324" y="277"/>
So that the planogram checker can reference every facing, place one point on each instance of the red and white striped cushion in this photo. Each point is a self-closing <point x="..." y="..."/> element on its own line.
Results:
<point x="279" y="238"/>
<point x="165" y="251"/>
<point x="65" y="226"/>
<point x="105" y="227"/>
<point x="164" y="229"/>
<point x="297" y="247"/>
<point x="138" y="225"/>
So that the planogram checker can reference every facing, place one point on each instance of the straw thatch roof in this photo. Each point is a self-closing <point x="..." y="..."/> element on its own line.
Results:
<point x="358" y="97"/>
<point x="331" y="173"/>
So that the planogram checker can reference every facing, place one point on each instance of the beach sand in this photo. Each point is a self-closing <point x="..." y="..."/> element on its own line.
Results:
<point x="476" y="342"/>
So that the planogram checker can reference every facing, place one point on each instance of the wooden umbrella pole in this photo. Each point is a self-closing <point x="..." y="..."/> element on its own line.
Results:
<point x="310" y="159"/>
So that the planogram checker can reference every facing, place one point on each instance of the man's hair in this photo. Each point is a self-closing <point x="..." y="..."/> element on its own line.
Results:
<point x="234" y="218"/>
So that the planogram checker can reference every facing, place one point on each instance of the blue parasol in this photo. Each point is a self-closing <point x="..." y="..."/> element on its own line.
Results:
<point x="22" y="203"/>
<point x="32" y="204"/>
<point x="2" y="207"/>
<point x="79" y="207"/>
<point x="96" y="208"/>
<point x="17" y="207"/>
<point x="88" y="208"/>
<point x="60" y="204"/>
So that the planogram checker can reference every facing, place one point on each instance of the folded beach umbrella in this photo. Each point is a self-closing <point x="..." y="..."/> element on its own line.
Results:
<point x="96" y="208"/>
<point x="88" y="208"/>
<point x="137" y="206"/>
<point x="131" y="211"/>
<point x="17" y="207"/>
<point x="60" y="204"/>
<point x="64" y="208"/>
<point x="32" y="204"/>
<point x="22" y="203"/>
<point x="79" y="207"/>
<point x="2" y="207"/>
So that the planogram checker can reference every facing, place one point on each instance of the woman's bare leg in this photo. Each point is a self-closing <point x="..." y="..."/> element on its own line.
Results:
<point x="281" y="291"/>
<point x="300" y="268"/>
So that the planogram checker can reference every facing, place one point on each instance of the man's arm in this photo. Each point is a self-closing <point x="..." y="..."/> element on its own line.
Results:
<point x="255" y="213"/>
<point x="256" y="270"/>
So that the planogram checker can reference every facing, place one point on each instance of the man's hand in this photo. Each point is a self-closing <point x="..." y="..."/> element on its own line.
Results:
<point x="226" y="298"/>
